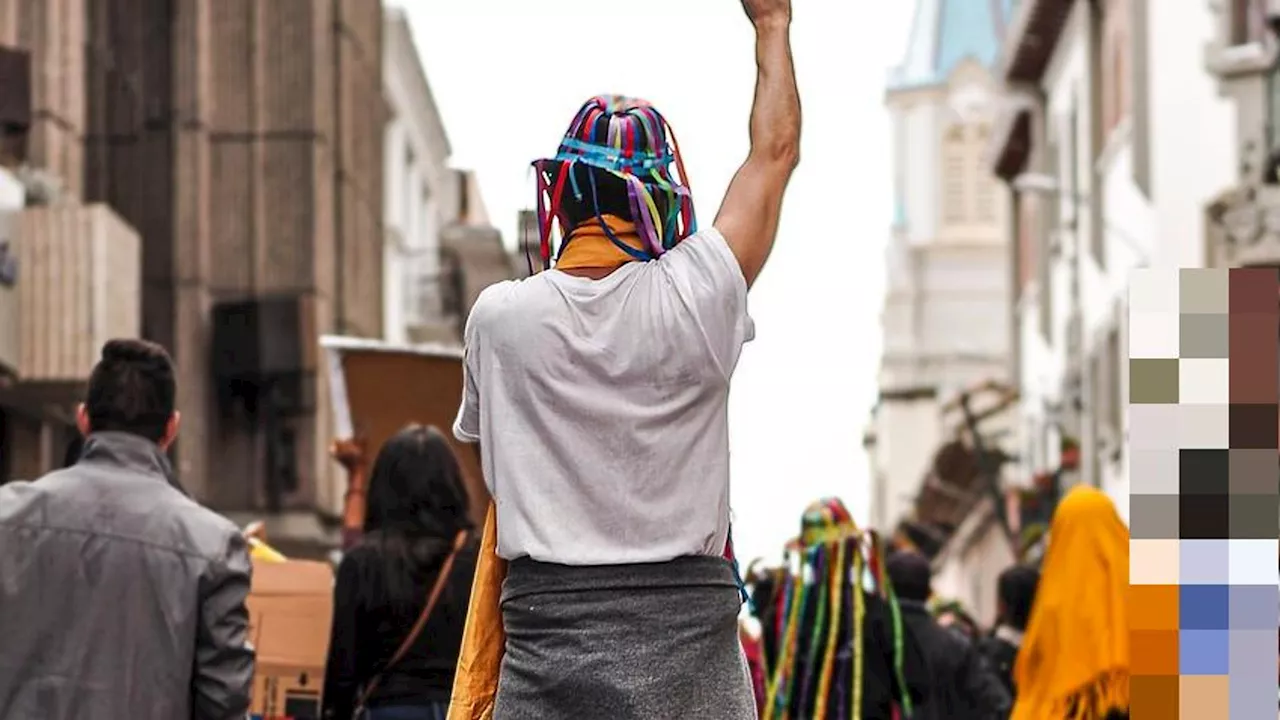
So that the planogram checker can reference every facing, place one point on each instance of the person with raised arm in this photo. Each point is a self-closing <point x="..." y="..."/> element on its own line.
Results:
<point x="598" y="391"/>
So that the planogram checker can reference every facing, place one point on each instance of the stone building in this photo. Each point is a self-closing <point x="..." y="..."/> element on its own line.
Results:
<point x="243" y="142"/>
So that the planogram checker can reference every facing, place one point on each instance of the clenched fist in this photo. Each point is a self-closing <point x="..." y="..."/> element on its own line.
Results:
<point x="767" y="11"/>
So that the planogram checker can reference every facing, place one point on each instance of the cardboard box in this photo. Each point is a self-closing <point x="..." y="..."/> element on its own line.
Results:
<point x="290" y="611"/>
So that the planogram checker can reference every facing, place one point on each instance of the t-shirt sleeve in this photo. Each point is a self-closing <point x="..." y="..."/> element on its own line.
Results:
<point x="707" y="274"/>
<point x="466" y="427"/>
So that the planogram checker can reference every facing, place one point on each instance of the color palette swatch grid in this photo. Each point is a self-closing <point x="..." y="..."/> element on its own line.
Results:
<point x="1204" y="474"/>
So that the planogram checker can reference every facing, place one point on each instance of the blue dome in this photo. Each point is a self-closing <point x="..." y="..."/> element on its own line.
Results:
<point x="944" y="33"/>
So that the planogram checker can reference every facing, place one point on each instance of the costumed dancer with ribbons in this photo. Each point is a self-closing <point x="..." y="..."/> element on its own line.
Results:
<point x="840" y="647"/>
<point x="598" y="390"/>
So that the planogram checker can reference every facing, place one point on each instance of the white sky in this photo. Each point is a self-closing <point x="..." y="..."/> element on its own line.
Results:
<point x="510" y="74"/>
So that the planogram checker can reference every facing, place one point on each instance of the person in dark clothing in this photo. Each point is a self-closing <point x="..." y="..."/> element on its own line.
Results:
<point x="952" y="616"/>
<point x="1015" y="593"/>
<point x="880" y="689"/>
<point x="959" y="685"/>
<point x="809" y="615"/>
<point x="121" y="598"/>
<point x="417" y="509"/>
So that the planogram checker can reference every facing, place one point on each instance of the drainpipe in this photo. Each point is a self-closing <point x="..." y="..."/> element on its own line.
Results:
<point x="339" y="175"/>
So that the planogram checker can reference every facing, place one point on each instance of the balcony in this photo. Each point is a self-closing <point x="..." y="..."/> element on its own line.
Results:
<point x="1244" y="228"/>
<point x="422" y="285"/>
<point x="78" y="285"/>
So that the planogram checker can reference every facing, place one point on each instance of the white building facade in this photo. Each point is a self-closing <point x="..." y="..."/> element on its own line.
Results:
<point x="944" y="318"/>
<point x="1244" y="61"/>
<point x="1112" y="140"/>
<point x="420" y="193"/>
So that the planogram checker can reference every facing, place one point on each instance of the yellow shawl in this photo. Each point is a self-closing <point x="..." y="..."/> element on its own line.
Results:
<point x="1074" y="661"/>
<point x="483" y="641"/>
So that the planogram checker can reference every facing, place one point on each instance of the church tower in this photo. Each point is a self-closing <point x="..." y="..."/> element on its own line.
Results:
<point x="945" y="320"/>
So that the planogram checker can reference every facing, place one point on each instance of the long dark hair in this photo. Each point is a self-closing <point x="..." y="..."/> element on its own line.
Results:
<point x="417" y="504"/>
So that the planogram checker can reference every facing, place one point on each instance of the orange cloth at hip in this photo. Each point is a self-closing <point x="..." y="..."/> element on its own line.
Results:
<point x="475" y="686"/>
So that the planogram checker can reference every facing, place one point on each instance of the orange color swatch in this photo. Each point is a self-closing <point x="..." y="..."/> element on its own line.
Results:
<point x="1153" y="607"/>
<point x="1155" y="652"/>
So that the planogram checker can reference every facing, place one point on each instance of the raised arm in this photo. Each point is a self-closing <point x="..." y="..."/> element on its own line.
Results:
<point x="748" y="217"/>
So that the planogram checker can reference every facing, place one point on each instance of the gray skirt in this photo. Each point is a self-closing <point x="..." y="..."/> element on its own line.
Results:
<point x="623" y="642"/>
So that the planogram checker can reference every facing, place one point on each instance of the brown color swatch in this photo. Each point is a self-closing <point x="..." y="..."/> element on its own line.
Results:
<point x="1153" y="697"/>
<point x="1253" y="359"/>
<point x="1204" y="517"/>
<point x="1253" y="290"/>
<point x="1253" y="427"/>
<point x="1254" y="472"/>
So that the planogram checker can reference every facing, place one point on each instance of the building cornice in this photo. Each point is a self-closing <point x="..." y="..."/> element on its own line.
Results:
<point x="1033" y="36"/>
<point x="408" y="72"/>
<point x="1012" y="139"/>
<point x="908" y="394"/>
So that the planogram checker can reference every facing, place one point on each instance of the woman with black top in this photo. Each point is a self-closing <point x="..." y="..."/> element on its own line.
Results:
<point x="416" y="525"/>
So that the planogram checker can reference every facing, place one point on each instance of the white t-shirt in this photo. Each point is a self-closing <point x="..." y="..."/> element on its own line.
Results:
<point x="602" y="406"/>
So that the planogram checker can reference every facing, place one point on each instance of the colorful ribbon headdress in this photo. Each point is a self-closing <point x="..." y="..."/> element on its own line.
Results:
<point x="627" y="139"/>
<point x="818" y="671"/>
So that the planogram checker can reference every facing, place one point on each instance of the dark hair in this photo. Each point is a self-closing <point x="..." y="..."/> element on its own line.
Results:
<point x="610" y="196"/>
<point x="964" y="622"/>
<point x="1016" y="588"/>
<point x="71" y="455"/>
<point x="417" y="505"/>
<point x="910" y="574"/>
<point x="132" y="389"/>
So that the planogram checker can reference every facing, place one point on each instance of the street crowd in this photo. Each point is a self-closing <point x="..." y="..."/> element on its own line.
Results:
<point x="603" y="583"/>
<point x="1057" y="649"/>
<point x="108" y="558"/>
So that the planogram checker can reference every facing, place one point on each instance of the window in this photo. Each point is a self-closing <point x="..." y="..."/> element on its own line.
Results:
<point x="1054" y="134"/>
<point x="1115" y="63"/>
<point x="954" y="160"/>
<point x="969" y="191"/>
<point x="984" y="184"/>
<point x="1072" y="196"/>
<point x="1248" y="21"/>
<point x="1115" y="398"/>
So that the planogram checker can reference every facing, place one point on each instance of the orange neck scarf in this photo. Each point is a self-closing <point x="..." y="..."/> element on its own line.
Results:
<point x="589" y="247"/>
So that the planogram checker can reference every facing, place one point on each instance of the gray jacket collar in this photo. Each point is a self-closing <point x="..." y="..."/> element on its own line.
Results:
<point x="129" y="451"/>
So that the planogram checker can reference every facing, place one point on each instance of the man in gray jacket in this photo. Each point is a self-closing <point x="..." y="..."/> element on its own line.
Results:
<point x="121" y="598"/>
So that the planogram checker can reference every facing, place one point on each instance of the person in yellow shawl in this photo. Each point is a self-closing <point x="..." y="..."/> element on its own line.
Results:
<point x="598" y="390"/>
<point x="1074" y="660"/>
